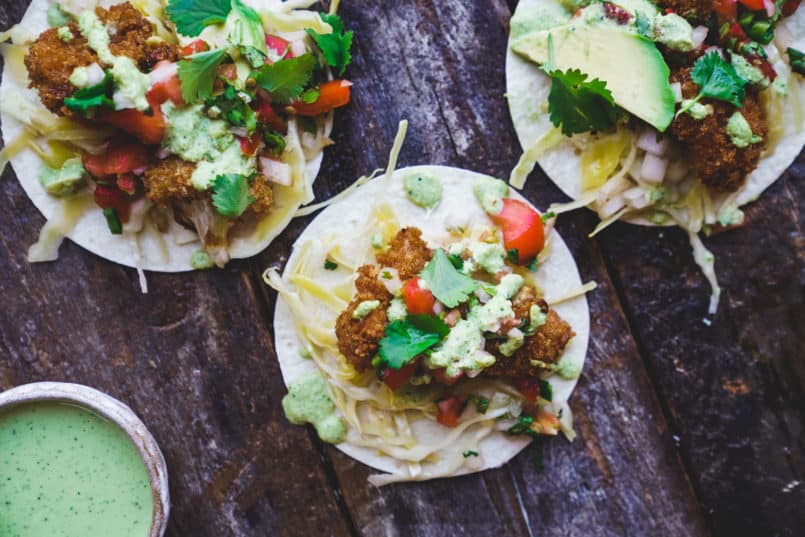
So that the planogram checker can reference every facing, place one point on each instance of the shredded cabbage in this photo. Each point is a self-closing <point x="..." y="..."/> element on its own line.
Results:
<point x="528" y="160"/>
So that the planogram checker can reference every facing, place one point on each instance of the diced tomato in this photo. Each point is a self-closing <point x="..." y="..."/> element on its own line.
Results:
<point x="267" y="115"/>
<point x="736" y="32"/>
<point x="728" y="9"/>
<point x="167" y="89"/>
<point x="396" y="378"/>
<point x="111" y="198"/>
<point x="228" y="71"/>
<point x="522" y="229"/>
<point x="332" y="95"/>
<point x="450" y="410"/>
<point x="279" y="46"/>
<point x="754" y="5"/>
<point x="147" y="129"/>
<point x="127" y="182"/>
<point x="418" y="301"/>
<point x="118" y="159"/>
<point x="790" y="7"/>
<point x="441" y="377"/>
<point x="249" y="146"/>
<point x="530" y="389"/>
<point x="198" y="45"/>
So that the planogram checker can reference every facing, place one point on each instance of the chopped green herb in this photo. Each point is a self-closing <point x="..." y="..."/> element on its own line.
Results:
<point x="335" y="46"/>
<point x="470" y="453"/>
<point x="717" y="79"/>
<point x="547" y="216"/>
<point x="234" y="108"/>
<point x="191" y="16"/>
<point x="533" y="265"/>
<point x="447" y="284"/>
<point x="310" y="96"/>
<point x="513" y="255"/>
<point x="578" y="105"/>
<point x="645" y="25"/>
<point x="523" y="426"/>
<point x="99" y="95"/>
<point x="797" y="60"/>
<point x="112" y="220"/>
<point x="329" y="265"/>
<point x="286" y="79"/>
<point x="456" y="261"/>
<point x="198" y="74"/>
<point x="386" y="275"/>
<point x="545" y="390"/>
<point x="201" y="260"/>
<point x="230" y="194"/>
<point x="404" y="340"/>
<point x="275" y="142"/>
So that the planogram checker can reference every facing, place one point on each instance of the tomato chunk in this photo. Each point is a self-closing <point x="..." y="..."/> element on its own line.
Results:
<point x="279" y="46"/>
<point x="147" y="129"/>
<point x="418" y="301"/>
<point x="198" y="45"/>
<point x="522" y="229"/>
<point x="267" y="115"/>
<point x="249" y="146"/>
<point x="530" y="389"/>
<point x="111" y="198"/>
<point x="332" y="95"/>
<point x="118" y="159"/>
<point x="754" y="5"/>
<point x="168" y="88"/>
<point x="396" y="378"/>
<point x="450" y="410"/>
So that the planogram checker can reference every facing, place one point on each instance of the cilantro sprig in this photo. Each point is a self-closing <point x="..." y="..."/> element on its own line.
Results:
<point x="230" y="194"/>
<point x="335" y="47"/>
<point x="286" y="79"/>
<point x="579" y="105"/>
<point x="407" y="339"/>
<point x="718" y="80"/>
<point x="198" y="73"/>
<point x="191" y="16"/>
<point x="99" y="95"/>
<point x="446" y="283"/>
<point x="234" y="108"/>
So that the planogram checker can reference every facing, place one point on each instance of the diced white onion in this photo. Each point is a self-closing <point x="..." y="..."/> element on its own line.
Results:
<point x="676" y="87"/>
<point x="163" y="71"/>
<point x="437" y="308"/>
<point x="637" y="197"/>
<point x="653" y="170"/>
<point x="162" y="153"/>
<point x="652" y="142"/>
<point x="276" y="171"/>
<point x="298" y="48"/>
<point x="698" y="36"/>
<point x="240" y="132"/>
<point x="482" y="295"/>
<point x="770" y="7"/>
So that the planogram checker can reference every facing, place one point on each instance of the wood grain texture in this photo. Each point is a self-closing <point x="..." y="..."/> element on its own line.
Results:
<point x="194" y="358"/>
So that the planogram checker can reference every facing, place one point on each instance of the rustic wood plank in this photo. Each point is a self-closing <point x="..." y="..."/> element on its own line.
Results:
<point x="734" y="389"/>
<point x="440" y="65"/>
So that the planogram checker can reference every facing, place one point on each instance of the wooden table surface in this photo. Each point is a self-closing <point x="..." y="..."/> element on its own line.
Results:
<point x="684" y="429"/>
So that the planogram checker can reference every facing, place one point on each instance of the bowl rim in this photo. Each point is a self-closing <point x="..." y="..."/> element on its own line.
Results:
<point x="116" y="412"/>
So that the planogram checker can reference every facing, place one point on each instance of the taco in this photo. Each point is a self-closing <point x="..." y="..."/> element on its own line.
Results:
<point x="429" y="325"/>
<point x="678" y="113"/>
<point x="166" y="137"/>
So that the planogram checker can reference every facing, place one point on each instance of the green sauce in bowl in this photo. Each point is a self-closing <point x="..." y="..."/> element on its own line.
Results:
<point x="67" y="472"/>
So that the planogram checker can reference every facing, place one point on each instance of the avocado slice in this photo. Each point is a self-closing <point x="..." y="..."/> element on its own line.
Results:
<point x="632" y="67"/>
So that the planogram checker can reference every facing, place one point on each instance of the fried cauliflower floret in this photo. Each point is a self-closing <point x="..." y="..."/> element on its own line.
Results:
<point x="263" y="195"/>
<point x="720" y="164"/>
<point x="50" y="62"/>
<point x="168" y="180"/>
<point x="407" y="253"/>
<point x="129" y="34"/>
<point x="546" y="345"/>
<point x="694" y="10"/>
<point x="358" y="338"/>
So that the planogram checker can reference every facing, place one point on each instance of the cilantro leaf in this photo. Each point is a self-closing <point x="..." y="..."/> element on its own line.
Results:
<point x="797" y="60"/>
<point x="717" y="79"/>
<point x="191" y="16"/>
<point x="470" y="453"/>
<point x="335" y="46"/>
<point x="407" y="339"/>
<point x="198" y="74"/>
<point x="230" y="194"/>
<point x="579" y="105"/>
<point x="446" y="283"/>
<point x="275" y="143"/>
<point x="310" y="96"/>
<point x="92" y="97"/>
<point x="545" y="390"/>
<point x="329" y="265"/>
<point x="286" y="79"/>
